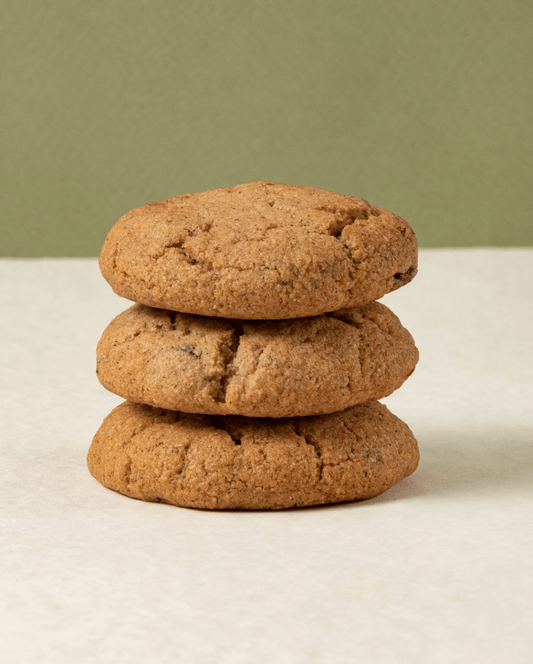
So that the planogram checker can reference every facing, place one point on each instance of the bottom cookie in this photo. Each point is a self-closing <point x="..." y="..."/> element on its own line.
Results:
<point x="235" y="462"/>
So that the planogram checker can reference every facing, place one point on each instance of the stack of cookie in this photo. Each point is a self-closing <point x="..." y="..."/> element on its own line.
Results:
<point x="255" y="355"/>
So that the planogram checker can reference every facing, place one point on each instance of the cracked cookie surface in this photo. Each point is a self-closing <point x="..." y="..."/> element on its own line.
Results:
<point x="283" y="368"/>
<point x="259" y="251"/>
<point x="233" y="462"/>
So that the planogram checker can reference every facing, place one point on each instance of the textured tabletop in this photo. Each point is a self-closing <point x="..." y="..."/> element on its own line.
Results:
<point x="438" y="569"/>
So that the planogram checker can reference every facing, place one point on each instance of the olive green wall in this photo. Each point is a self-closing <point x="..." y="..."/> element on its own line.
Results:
<point x="421" y="106"/>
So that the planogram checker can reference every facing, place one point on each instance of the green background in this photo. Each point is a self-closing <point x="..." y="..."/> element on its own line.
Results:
<point x="422" y="107"/>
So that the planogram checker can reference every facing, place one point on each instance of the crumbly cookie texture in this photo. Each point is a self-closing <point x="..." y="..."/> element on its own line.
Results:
<point x="233" y="462"/>
<point x="259" y="251"/>
<point x="284" y="368"/>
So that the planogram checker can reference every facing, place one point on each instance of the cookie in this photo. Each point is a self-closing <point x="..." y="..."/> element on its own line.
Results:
<point x="258" y="251"/>
<point x="284" y="368"/>
<point x="236" y="462"/>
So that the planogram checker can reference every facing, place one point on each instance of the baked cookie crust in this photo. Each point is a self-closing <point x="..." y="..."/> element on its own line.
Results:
<point x="217" y="462"/>
<point x="284" y="368"/>
<point x="259" y="251"/>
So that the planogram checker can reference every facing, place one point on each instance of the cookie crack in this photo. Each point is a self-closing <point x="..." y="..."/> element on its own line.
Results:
<point x="190" y="259"/>
<point x="219" y="423"/>
<point x="189" y="350"/>
<point x="369" y="318"/>
<point x="127" y="468"/>
<point x="127" y="472"/>
<point x="114" y="257"/>
<point x="344" y="318"/>
<point x="402" y="278"/>
<point x="179" y="321"/>
<point x="185" y="449"/>
<point x="355" y="263"/>
<point x="392" y="331"/>
<point x="309" y="441"/>
<point x="229" y="353"/>
<point x="346" y="216"/>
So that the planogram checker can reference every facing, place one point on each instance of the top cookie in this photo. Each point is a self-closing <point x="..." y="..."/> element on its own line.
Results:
<point x="258" y="251"/>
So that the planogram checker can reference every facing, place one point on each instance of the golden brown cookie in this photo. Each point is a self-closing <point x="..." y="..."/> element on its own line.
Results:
<point x="258" y="251"/>
<point x="233" y="462"/>
<point x="284" y="368"/>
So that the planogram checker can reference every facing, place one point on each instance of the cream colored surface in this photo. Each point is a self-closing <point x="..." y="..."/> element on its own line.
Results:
<point x="436" y="570"/>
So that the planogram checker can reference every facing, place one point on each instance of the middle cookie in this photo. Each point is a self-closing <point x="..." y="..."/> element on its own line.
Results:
<point x="283" y="368"/>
